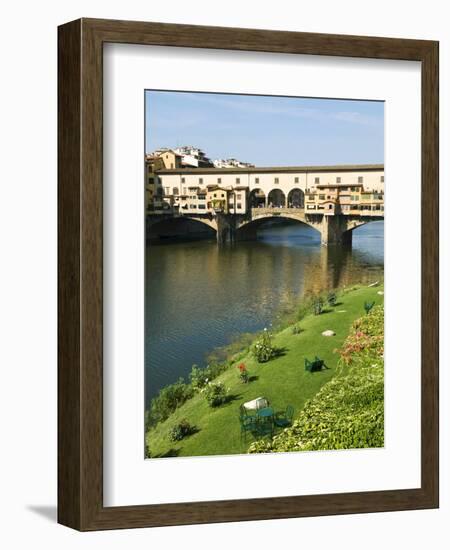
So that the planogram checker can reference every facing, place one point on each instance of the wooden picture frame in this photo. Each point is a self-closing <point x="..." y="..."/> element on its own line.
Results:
<point x="80" y="271"/>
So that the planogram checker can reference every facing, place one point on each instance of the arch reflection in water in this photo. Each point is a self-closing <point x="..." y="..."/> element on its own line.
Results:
<point x="199" y="295"/>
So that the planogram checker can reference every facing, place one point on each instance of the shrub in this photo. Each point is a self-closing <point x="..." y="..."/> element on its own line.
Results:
<point x="200" y="377"/>
<point x="243" y="373"/>
<point x="331" y="299"/>
<point x="215" y="393"/>
<point x="263" y="350"/>
<point x="296" y="329"/>
<point x="317" y="306"/>
<point x="168" y="399"/>
<point x="180" y="430"/>
<point x="365" y="343"/>
<point x="368" y="306"/>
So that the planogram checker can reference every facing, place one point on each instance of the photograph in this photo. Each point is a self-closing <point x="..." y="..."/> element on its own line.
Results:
<point x="264" y="274"/>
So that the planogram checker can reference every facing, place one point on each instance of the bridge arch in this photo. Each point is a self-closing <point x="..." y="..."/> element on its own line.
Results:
<point x="170" y="226"/>
<point x="257" y="198"/>
<point x="247" y="229"/>
<point x="348" y="230"/>
<point x="296" y="198"/>
<point x="277" y="198"/>
<point x="354" y="224"/>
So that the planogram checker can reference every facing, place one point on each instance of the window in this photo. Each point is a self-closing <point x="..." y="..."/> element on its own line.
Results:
<point x="201" y="207"/>
<point x="321" y="197"/>
<point x="311" y="207"/>
<point x="151" y="180"/>
<point x="311" y="197"/>
<point x="219" y="180"/>
<point x="382" y="179"/>
<point x="167" y="190"/>
<point x="184" y="190"/>
<point x="176" y="191"/>
<point x="183" y="180"/>
<point x="238" y="180"/>
<point x="214" y="195"/>
<point x="330" y="206"/>
<point x="239" y="196"/>
<point x="171" y="165"/>
<point x="200" y="180"/>
<point x="316" y="180"/>
<point x="256" y="180"/>
<point x="360" y="179"/>
<point x="277" y="180"/>
<point x="295" y="180"/>
<point x="238" y="205"/>
<point x="338" y="180"/>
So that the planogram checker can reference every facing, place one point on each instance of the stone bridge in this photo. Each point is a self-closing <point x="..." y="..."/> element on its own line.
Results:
<point x="334" y="229"/>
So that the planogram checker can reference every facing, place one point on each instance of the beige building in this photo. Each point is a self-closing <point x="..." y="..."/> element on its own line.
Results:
<point x="339" y="198"/>
<point x="171" y="159"/>
<point x="153" y="190"/>
<point x="277" y="186"/>
<point x="192" y="202"/>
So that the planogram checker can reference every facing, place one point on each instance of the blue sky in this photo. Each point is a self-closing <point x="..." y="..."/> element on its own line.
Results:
<point x="267" y="130"/>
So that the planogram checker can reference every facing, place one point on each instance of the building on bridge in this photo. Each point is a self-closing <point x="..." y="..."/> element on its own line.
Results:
<point x="212" y="199"/>
<point x="340" y="198"/>
<point x="279" y="186"/>
<point x="235" y="202"/>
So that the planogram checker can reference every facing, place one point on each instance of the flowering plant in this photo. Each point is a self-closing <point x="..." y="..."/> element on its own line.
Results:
<point x="243" y="373"/>
<point x="263" y="349"/>
<point x="366" y="339"/>
<point x="215" y="393"/>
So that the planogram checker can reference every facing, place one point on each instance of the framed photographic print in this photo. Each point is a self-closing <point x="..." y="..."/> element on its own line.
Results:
<point x="248" y="274"/>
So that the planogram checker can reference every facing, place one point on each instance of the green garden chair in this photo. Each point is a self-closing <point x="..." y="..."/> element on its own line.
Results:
<point x="316" y="365"/>
<point x="264" y="427"/>
<point x="249" y="424"/>
<point x="283" y="419"/>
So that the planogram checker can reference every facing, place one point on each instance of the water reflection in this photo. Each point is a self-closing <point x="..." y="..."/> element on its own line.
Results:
<point x="199" y="295"/>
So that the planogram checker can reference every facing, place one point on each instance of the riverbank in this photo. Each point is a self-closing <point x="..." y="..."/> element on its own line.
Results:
<point x="200" y="297"/>
<point x="283" y="380"/>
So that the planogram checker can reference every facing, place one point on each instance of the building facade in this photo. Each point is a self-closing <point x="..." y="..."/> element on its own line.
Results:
<point x="231" y="163"/>
<point x="335" y="189"/>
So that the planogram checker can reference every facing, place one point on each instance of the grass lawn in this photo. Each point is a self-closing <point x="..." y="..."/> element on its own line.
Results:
<point x="282" y="380"/>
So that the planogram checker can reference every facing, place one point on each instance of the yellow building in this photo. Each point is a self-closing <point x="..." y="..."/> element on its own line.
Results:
<point x="172" y="160"/>
<point x="153" y="189"/>
<point x="331" y="199"/>
<point x="217" y="199"/>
